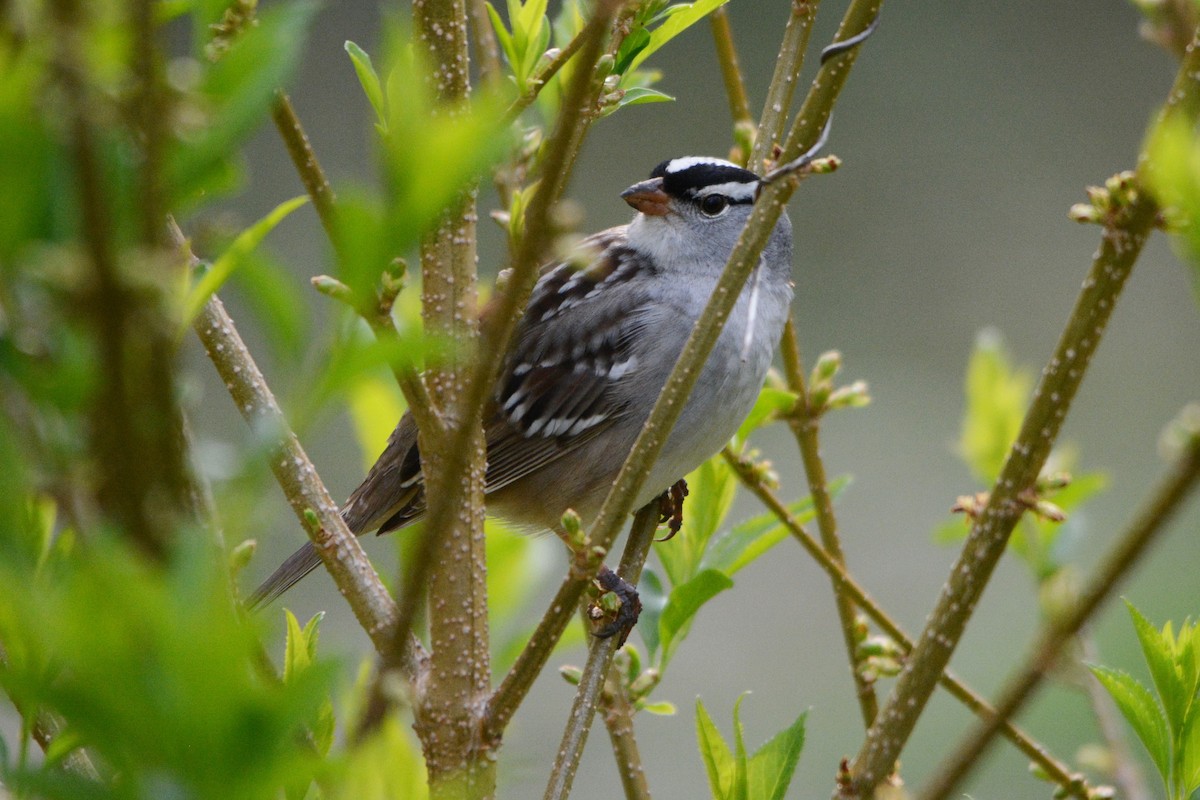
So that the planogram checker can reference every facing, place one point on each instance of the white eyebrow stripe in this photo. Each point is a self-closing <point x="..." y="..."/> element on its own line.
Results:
<point x="680" y="164"/>
<point x="734" y="190"/>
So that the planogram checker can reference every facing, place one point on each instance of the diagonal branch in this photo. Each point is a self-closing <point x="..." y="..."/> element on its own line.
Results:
<point x="1061" y="629"/>
<point x="339" y="549"/>
<point x="591" y="684"/>
<point x="752" y="479"/>
<point x="1124" y="234"/>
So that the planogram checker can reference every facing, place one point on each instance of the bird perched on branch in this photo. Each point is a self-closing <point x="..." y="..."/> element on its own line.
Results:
<point x="589" y="357"/>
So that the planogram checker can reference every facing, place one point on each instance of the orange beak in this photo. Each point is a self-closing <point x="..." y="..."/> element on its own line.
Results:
<point x="648" y="197"/>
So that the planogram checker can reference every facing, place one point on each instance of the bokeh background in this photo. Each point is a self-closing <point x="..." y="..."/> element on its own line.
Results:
<point x="967" y="130"/>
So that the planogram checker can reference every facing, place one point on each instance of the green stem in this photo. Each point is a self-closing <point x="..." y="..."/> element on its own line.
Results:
<point x="1060" y="630"/>
<point x="618" y="720"/>
<point x="806" y="428"/>
<point x="591" y="683"/>
<point x="1120" y="245"/>
<point x="731" y="71"/>
<point x="750" y="477"/>
<point x="773" y="120"/>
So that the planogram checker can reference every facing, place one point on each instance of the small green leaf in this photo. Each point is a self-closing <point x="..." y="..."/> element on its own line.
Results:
<point x="301" y="646"/>
<point x="639" y="95"/>
<point x="996" y="395"/>
<point x="662" y="708"/>
<point x="369" y="79"/>
<point x="1142" y="713"/>
<point x="731" y="550"/>
<point x="741" y="776"/>
<point x="235" y="256"/>
<point x="711" y="488"/>
<point x="654" y="600"/>
<point x="1173" y="176"/>
<point x="1160" y="658"/>
<point x="680" y="18"/>
<point x="773" y="764"/>
<point x="769" y="405"/>
<point x="1188" y="759"/>
<point x="682" y="605"/>
<point x="718" y="761"/>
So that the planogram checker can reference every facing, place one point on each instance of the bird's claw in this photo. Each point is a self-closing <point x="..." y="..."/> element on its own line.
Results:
<point x="626" y="614"/>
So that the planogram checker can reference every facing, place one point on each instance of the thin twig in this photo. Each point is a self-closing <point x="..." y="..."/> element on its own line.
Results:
<point x="591" y="683"/>
<point x="339" y="549"/>
<point x="1060" y="630"/>
<point x="1124" y="234"/>
<point x="731" y="70"/>
<point x="773" y="120"/>
<point x="814" y="113"/>
<point x="746" y="472"/>
<point x="378" y="318"/>
<point x="806" y="427"/>
<point x="516" y="684"/>
<point x="305" y="160"/>
<point x="618" y="720"/>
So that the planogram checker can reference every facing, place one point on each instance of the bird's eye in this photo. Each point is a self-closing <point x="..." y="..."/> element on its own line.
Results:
<point x="713" y="204"/>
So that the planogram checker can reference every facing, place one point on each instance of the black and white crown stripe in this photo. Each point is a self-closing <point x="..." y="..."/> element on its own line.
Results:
<point x="694" y="177"/>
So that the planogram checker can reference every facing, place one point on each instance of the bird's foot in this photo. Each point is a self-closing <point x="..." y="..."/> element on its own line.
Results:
<point x="622" y="617"/>
<point x="670" y="508"/>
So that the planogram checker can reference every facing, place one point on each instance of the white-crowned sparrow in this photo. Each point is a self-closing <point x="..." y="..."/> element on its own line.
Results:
<point x="589" y="357"/>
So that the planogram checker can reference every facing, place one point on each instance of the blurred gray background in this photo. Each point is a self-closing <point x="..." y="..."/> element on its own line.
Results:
<point x="967" y="131"/>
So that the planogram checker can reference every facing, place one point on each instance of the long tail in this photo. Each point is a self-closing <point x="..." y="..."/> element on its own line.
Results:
<point x="289" y="573"/>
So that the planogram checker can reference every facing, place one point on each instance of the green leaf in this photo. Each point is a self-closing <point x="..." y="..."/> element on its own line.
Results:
<point x="502" y="35"/>
<point x="229" y="261"/>
<point x="663" y="708"/>
<point x="1173" y="177"/>
<point x="773" y="764"/>
<point x="733" y="549"/>
<point x="684" y="601"/>
<point x="681" y="17"/>
<point x="1142" y="713"/>
<point x="718" y="761"/>
<point x="654" y="600"/>
<point x="1188" y="757"/>
<point x="639" y="95"/>
<point x="237" y="92"/>
<point x="769" y="405"/>
<point x="996" y="395"/>
<point x="741" y="785"/>
<point x="369" y="80"/>
<point x="711" y="488"/>
<point x="273" y="296"/>
<point x="150" y="666"/>
<point x="301" y="644"/>
<point x="300" y="653"/>
<point x="1159" y="656"/>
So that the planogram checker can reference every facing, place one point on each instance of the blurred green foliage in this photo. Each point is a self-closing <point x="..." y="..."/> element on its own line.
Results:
<point x="997" y="394"/>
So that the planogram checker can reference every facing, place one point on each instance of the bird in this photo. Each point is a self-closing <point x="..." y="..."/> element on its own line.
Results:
<point x="600" y="334"/>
